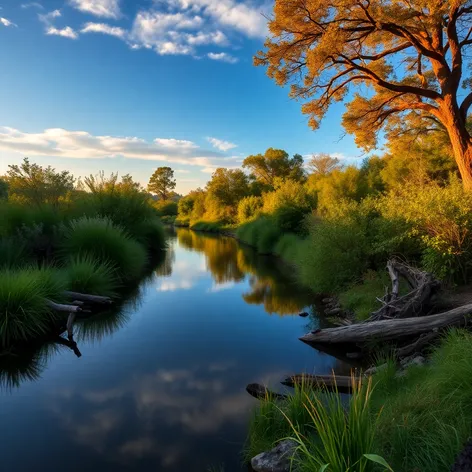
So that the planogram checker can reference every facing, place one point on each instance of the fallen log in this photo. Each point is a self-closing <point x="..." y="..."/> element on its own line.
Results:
<point x="261" y="392"/>
<point x="69" y="326"/>
<point x="331" y="383"/>
<point x="84" y="297"/>
<point x="387" y="330"/>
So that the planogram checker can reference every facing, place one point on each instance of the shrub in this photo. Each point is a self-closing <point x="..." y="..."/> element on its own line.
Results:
<point x="150" y="233"/>
<point x="182" y="221"/>
<point x="168" y="220"/>
<point x="291" y="219"/>
<point x="165" y="207"/>
<point x="106" y="242"/>
<point x="287" y="247"/>
<point x="440" y="218"/>
<point x="334" y="255"/>
<point x="13" y="253"/>
<point x="249" y="208"/>
<point x="24" y="313"/>
<point x="85" y="274"/>
<point x="208" y="226"/>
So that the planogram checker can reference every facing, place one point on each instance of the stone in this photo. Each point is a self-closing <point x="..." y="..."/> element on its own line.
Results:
<point x="303" y="314"/>
<point x="277" y="459"/>
<point x="327" y="300"/>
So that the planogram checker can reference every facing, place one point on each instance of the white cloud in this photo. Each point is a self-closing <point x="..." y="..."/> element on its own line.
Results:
<point x="104" y="29"/>
<point x="240" y="16"/>
<point x="57" y="142"/>
<point x="101" y="8"/>
<point x="6" y="22"/>
<point x="51" y="30"/>
<point x="220" y="144"/>
<point x="182" y="171"/>
<point x="223" y="56"/>
<point x="66" y="32"/>
<point x="32" y="5"/>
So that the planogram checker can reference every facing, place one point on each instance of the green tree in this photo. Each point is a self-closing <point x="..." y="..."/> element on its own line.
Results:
<point x="406" y="58"/>
<point x="323" y="164"/>
<point x="162" y="182"/>
<point x="275" y="164"/>
<point x="33" y="184"/>
<point x="3" y="188"/>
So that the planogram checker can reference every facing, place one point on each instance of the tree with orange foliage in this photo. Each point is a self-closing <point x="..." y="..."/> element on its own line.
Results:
<point x="411" y="54"/>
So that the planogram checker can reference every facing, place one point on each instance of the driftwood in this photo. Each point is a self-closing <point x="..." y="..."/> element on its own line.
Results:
<point x="63" y="308"/>
<point x="387" y="330"/>
<point x="423" y="286"/>
<point x="417" y="346"/>
<point x="84" y="297"/>
<point x="331" y="383"/>
<point x="68" y="343"/>
<point x="261" y="392"/>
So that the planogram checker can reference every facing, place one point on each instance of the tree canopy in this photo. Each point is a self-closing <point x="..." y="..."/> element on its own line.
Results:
<point x="411" y="55"/>
<point x="275" y="164"/>
<point x="323" y="164"/>
<point x="34" y="184"/>
<point x="162" y="182"/>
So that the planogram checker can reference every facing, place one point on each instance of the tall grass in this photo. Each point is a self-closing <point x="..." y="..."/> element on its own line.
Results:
<point x="150" y="233"/>
<point x="85" y="274"/>
<point x="262" y="233"/>
<point x="427" y="414"/>
<point x="107" y="243"/>
<point x="24" y="312"/>
<point x="13" y="253"/>
<point x="327" y="428"/>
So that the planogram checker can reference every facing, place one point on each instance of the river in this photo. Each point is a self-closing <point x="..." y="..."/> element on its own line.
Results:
<point x="161" y="382"/>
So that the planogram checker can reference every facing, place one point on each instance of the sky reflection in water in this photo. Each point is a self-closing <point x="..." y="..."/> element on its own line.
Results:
<point x="161" y="383"/>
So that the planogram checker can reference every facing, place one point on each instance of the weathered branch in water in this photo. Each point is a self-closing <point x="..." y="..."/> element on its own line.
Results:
<point x="331" y="383"/>
<point x="70" y="324"/>
<point x="68" y="343"/>
<point x="387" y="330"/>
<point x="261" y="392"/>
<point x="63" y="308"/>
<point x="84" y="297"/>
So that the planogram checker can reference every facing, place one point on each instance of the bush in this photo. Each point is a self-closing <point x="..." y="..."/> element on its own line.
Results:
<point x="13" y="253"/>
<point x="168" y="220"/>
<point x="150" y="233"/>
<point x="107" y="243"/>
<point x="334" y="255"/>
<point x="287" y="247"/>
<point x="85" y="274"/>
<point x="249" y="208"/>
<point x="291" y="219"/>
<point x="165" y="207"/>
<point x="24" y="313"/>
<point x="262" y="234"/>
<point x="183" y="221"/>
<point x="208" y="226"/>
<point x="440" y="218"/>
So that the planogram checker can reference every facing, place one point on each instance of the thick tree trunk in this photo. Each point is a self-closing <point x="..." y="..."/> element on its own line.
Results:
<point x="461" y="140"/>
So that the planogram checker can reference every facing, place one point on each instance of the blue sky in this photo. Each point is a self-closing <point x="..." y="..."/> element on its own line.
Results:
<point x="130" y="85"/>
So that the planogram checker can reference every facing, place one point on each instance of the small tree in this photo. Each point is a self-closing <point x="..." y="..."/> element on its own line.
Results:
<point x="162" y="182"/>
<point x="410" y="56"/>
<point x="275" y="164"/>
<point x="34" y="184"/>
<point x="323" y="164"/>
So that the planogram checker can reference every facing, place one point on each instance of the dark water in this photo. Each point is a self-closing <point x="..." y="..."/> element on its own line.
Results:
<point x="161" y="383"/>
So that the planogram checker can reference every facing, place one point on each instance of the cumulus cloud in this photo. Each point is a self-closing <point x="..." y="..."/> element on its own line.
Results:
<point x="81" y="144"/>
<point x="101" y="8"/>
<point x="6" y="22"/>
<point x="223" y="56"/>
<point x="104" y="29"/>
<point x="220" y="144"/>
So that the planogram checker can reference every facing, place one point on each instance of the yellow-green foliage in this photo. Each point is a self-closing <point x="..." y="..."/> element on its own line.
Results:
<point x="249" y="208"/>
<point x="165" y="207"/>
<point x="288" y="193"/>
<point x="441" y="218"/>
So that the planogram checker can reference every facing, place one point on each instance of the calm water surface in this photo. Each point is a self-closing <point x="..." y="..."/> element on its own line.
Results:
<point x="161" y="382"/>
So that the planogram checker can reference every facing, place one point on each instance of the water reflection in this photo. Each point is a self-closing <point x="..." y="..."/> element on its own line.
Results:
<point x="160" y="384"/>
<point x="230" y="262"/>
